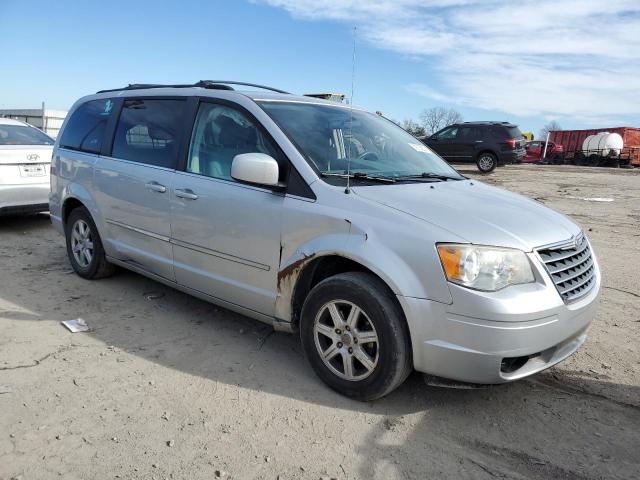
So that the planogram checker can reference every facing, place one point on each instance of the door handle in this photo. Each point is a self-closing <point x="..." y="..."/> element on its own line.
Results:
<point x="186" y="193"/>
<point x="156" y="187"/>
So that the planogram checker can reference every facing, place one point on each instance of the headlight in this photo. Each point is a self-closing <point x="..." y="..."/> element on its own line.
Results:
<point x="484" y="268"/>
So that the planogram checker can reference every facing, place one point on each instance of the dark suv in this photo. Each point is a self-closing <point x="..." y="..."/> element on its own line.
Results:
<point x="489" y="144"/>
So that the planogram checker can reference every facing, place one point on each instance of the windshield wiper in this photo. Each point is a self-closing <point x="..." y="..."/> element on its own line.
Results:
<point x="430" y="175"/>
<point x="360" y="176"/>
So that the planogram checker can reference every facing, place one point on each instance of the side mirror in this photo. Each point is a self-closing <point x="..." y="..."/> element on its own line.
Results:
<point x="434" y="138"/>
<point x="257" y="168"/>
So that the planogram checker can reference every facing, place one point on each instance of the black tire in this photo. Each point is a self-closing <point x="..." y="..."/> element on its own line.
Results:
<point x="98" y="266"/>
<point x="593" y="160"/>
<point x="486" y="162"/>
<point x="392" y="348"/>
<point x="580" y="159"/>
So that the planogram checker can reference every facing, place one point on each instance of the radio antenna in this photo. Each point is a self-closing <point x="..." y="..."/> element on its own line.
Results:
<point x="353" y="75"/>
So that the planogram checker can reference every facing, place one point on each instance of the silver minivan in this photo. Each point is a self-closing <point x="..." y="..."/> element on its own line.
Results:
<point x="321" y="218"/>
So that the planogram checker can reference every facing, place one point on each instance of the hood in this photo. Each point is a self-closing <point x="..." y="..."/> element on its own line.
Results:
<point x="479" y="213"/>
<point x="24" y="154"/>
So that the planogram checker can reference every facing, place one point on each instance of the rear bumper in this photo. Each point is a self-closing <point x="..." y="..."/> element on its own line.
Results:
<point x="504" y="345"/>
<point x="30" y="198"/>
<point x="512" y="156"/>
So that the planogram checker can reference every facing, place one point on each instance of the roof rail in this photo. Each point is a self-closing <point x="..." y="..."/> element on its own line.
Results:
<point x="208" y="84"/>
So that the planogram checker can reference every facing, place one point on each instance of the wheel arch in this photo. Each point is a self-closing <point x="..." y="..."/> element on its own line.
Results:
<point x="486" y="150"/>
<point x="77" y="195"/>
<point x="70" y="204"/>
<point x="296" y="281"/>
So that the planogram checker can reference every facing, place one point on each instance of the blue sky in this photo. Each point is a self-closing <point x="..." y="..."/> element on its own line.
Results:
<point x="524" y="61"/>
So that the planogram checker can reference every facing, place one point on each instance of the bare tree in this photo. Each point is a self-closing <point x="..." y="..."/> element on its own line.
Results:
<point x="436" y="118"/>
<point x="413" y="127"/>
<point x="549" y="127"/>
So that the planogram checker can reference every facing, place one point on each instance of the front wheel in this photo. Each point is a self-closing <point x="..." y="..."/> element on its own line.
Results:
<point x="487" y="162"/>
<point x="84" y="246"/>
<point x="355" y="336"/>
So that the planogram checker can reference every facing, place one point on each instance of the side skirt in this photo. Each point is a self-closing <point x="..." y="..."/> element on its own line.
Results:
<point x="277" y="324"/>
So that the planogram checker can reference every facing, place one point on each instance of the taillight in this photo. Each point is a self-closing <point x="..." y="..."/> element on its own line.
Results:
<point x="512" y="142"/>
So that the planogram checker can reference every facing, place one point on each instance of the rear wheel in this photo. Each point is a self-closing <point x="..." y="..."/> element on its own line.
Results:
<point x="487" y="162"/>
<point x="355" y="336"/>
<point x="84" y="246"/>
<point x="593" y="160"/>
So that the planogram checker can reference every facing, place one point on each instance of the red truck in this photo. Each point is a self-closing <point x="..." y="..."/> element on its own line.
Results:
<point x="572" y="142"/>
<point x="535" y="151"/>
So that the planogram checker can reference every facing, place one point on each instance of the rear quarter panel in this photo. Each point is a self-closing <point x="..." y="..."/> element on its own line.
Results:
<point x="72" y="178"/>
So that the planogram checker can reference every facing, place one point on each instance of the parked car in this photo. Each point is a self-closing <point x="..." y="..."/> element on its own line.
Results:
<point x="488" y="144"/>
<point x="535" y="151"/>
<point x="25" y="158"/>
<point x="324" y="219"/>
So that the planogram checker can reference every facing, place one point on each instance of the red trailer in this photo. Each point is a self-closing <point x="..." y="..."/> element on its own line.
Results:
<point x="572" y="141"/>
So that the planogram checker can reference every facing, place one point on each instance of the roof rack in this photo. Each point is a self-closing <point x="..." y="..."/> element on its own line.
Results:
<point x="487" y="122"/>
<point x="208" y="84"/>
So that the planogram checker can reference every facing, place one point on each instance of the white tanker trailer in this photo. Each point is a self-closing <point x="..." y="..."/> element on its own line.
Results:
<point x="600" y="149"/>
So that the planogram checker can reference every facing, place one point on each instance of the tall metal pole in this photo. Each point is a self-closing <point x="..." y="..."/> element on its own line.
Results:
<point x="44" y="124"/>
<point x="544" y="155"/>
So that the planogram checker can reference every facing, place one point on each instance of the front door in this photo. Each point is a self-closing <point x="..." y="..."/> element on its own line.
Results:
<point x="226" y="234"/>
<point x="443" y="143"/>
<point x="133" y="184"/>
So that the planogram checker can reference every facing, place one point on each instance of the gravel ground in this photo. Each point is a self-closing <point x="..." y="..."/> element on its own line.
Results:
<point x="167" y="386"/>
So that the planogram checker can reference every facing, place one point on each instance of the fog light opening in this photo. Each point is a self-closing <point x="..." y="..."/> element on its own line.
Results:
<point x="511" y="364"/>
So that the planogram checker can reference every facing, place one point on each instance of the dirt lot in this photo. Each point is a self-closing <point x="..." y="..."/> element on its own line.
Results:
<point x="167" y="386"/>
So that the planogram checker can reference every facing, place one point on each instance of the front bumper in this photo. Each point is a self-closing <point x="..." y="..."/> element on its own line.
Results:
<point x="24" y="198"/>
<point x="497" y="337"/>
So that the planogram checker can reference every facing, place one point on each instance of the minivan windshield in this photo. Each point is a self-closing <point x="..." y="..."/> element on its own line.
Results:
<point x="23" y="135"/>
<point x="327" y="136"/>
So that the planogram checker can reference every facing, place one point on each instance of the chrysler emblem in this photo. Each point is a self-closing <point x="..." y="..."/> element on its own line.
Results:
<point x="34" y="157"/>
<point x="577" y="241"/>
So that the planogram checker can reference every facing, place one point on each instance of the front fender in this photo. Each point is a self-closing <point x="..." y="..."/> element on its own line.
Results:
<point x="403" y="275"/>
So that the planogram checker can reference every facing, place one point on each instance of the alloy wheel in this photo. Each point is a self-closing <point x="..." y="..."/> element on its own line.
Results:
<point x="346" y="340"/>
<point x="82" y="243"/>
<point x="485" y="162"/>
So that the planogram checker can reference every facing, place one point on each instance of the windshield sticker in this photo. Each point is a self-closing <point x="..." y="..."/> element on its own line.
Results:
<point x="418" y="147"/>
<point x="108" y="105"/>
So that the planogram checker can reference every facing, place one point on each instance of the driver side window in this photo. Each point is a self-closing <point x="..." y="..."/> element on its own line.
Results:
<point x="448" y="134"/>
<point x="219" y="134"/>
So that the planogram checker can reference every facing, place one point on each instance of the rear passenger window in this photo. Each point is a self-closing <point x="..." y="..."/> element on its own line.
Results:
<point x="148" y="132"/>
<point x="469" y="133"/>
<point x="86" y="126"/>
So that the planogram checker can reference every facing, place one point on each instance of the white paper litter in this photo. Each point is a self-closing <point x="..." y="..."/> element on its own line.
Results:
<point x="76" y="325"/>
<point x="592" y="199"/>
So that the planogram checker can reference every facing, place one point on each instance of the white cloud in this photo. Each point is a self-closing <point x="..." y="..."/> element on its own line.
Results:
<point x="571" y="58"/>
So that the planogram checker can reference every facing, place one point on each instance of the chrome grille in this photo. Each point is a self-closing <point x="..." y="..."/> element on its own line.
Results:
<point x="571" y="268"/>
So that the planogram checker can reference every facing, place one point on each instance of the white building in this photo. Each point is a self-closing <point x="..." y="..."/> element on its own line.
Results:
<point x="47" y="120"/>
